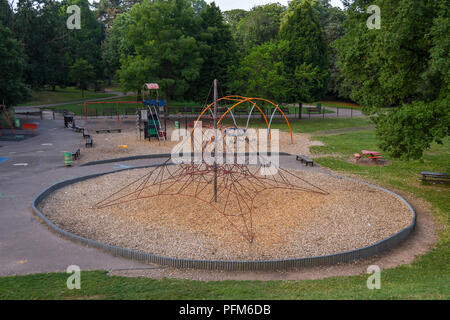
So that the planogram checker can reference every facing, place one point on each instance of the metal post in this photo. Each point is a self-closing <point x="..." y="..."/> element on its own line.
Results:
<point x="215" y="139"/>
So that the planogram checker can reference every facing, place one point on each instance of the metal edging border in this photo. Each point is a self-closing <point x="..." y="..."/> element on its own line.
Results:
<point x="235" y="265"/>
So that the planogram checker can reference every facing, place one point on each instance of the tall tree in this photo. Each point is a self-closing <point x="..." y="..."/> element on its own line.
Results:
<point x="44" y="49"/>
<point x="219" y="52"/>
<point x="85" y="43"/>
<point x="260" y="25"/>
<point x="12" y="64"/>
<point x="384" y="67"/>
<point x="166" y="49"/>
<point x="262" y="72"/>
<point x="6" y="14"/>
<point x="116" y="44"/>
<point x="82" y="73"/>
<point x="307" y="54"/>
<point x="403" y="64"/>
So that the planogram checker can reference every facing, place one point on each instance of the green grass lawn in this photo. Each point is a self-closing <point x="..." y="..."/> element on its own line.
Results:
<point x="426" y="278"/>
<point x="42" y="97"/>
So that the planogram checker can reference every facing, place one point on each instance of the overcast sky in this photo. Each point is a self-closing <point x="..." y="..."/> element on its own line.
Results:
<point x="226" y="5"/>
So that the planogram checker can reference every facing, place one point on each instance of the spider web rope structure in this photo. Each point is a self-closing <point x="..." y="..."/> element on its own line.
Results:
<point x="238" y="186"/>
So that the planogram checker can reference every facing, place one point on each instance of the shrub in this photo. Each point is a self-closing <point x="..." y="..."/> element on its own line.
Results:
<point x="409" y="130"/>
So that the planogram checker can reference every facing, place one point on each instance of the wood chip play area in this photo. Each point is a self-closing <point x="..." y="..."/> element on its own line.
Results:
<point x="286" y="223"/>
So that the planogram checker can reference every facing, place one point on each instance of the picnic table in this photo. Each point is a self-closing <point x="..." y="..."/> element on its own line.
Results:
<point x="373" y="155"/>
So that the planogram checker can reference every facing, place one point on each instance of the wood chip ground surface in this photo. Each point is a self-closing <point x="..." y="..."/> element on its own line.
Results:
<point x="286" y="224"/>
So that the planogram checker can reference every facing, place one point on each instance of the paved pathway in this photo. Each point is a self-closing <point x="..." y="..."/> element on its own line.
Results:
<point x="32" y="165"/>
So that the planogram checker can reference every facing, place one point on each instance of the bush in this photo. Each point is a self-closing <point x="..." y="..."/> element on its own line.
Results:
<point x="411" y="129"/>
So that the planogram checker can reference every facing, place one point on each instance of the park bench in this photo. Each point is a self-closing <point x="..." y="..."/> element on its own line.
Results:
<point x="435" y="177"/>
<point x="76" y="154"/>
<point x="108" y="131"/>
<point x="89" y="142"/>
<point x="304" y="159"/>
<point x="86" y="134"/>
<point x="316" y="109"/>
<point x="78" y="129"/>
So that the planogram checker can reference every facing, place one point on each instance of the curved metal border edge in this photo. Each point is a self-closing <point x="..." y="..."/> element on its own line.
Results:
<point x="285" y="264"/>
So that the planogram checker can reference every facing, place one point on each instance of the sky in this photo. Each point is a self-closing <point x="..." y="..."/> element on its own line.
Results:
<point x="226" y="5"/>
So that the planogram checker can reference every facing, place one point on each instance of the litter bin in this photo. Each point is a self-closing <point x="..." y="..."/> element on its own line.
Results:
<point x="17" y="123"/>
<point x="177" y="124"/>
<point x="68" y="118"/>
<point x="67" y="158"/>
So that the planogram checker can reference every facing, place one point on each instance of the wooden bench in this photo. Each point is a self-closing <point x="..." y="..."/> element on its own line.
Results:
<point x="76" y="154"/>
<point x="108" y="131"/>
<point x="435" y="177"/>
<point x="78" y="129"/>
<point x="86" y="134"/>
<point x="304" y="159"/>
<point x="89" y="142"/>
<point x="314" y="110"/>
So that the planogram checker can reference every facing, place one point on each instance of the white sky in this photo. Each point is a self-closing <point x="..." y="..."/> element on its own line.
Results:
<point x="226" y="5"/>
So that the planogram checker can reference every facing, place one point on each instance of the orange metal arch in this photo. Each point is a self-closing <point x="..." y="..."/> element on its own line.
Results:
<point x="241" y="100"/>
<point x="276" y="106"/>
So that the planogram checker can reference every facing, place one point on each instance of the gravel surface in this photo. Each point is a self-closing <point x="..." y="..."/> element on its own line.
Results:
<point x="287" y="224"/>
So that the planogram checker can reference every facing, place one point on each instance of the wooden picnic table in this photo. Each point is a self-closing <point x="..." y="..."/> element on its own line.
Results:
<point x="373" y="155"/>
<point x="370" y="153"/>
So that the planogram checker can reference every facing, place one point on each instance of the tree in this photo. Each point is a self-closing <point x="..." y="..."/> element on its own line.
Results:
<point x="82" y="73"/>
<point x="44" y="49"/>
<point x="262" y="73"/>
<point x="405" y="65"/>
<point x="260" y="25"/>
<point x="116" y="44"/>
<point x="166" y="49"/>
<point x="12" y="64"/>
<point x="219" y="52"/>
<point x="233" y="17"/>
<point x="306" y="59"/>
<point x="85" y="43"/>
<point x="407" y="131"/>
<point x="384" y="67"/>
<point x="6" y="14"/>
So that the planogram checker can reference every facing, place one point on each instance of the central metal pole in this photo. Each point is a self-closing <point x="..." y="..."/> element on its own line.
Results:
<point x="215" y="139"/>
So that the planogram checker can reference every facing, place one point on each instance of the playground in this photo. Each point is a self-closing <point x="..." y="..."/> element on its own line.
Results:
<point x="310" y="212"/>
